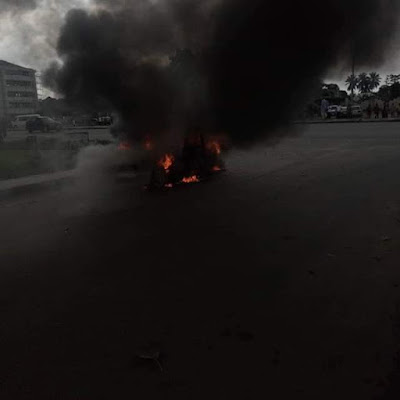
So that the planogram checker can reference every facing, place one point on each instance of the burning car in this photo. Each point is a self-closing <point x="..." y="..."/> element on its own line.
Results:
<point x="198" y="160"/>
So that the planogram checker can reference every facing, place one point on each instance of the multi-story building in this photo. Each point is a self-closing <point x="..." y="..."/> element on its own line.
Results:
<point x="18" y="91"/>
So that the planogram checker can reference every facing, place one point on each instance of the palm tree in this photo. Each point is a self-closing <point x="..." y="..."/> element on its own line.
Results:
<point x="374" y="80"/>
<point x="392" y="78"/>
<point x="364" y="83"/>
<point x="352" y="83"/>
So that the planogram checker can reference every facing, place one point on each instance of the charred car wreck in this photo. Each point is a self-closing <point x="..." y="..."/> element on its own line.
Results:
<point x="199" y="159"/>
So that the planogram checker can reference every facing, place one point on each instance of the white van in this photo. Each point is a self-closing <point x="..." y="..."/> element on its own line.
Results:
<point x="20" y="121"/>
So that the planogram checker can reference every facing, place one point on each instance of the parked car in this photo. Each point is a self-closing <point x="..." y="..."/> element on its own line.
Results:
<point x="356" y="111"/>
<point x="101" y="121"/>
<point x="43" y="124"/>
<point x="343" y="112"/>
<point x="20" y="121"/>
<point x="333" y="111"/>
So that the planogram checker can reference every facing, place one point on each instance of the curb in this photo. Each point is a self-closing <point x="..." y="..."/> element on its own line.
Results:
<point x="347" y="121"/>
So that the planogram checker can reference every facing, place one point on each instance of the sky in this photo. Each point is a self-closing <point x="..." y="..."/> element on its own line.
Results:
<point x="390" y="65"/>
<point x="29" y="37"/>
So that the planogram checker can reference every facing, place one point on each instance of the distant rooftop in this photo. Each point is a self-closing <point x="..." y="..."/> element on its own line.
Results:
<point x="10" y="65"/>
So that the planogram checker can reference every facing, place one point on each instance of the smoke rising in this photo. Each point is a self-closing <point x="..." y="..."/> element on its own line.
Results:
<point x="8" y="5"/>
<point x="245" y="68"/>
<point x="266" y="55"/>
<point x="29" y="30"/>
<point x="122" y="58"/>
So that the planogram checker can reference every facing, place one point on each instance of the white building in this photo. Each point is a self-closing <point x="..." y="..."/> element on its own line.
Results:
<point x="18" y="91"/>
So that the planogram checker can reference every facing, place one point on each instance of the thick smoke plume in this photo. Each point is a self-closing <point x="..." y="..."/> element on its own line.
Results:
<point x="29" y="30"/>
<point x="233" y="66"/>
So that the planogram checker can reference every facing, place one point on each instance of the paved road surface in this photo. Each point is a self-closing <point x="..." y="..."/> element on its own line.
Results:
<point x="279" y="279"/>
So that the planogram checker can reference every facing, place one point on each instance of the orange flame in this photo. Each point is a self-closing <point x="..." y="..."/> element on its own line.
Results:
<point x="214" y="147"/>
<point x="166" y="162"/>
<point x="191" y="179"/>
<point x="148" y="145"/>
<point x="124" y="146"/>
<point x="216" y="168"/>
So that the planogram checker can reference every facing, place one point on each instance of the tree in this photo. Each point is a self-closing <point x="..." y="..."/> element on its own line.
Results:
<point x="352" y="83"/>
<point x="374" y="80"/>
<point x="384" y="92"/>
<point x="392" y="79"/>
<point x="330" y="90"/>
<point x="395" y="90"/>
<point x="364" y="83"/>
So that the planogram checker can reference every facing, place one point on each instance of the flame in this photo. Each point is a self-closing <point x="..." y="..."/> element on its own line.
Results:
<point x="214" y="147"/>
<point x="166" y="162"/>
<point x="216" y="168"/>
<point x="191" y="179"/>
<point x="148" y="144"/>
<point x="124" y="146"/>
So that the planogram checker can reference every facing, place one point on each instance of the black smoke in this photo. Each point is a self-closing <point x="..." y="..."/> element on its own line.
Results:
<point x="242" y="67"/>
<point x="266" y="54"/>
<point x="123" y="58"/>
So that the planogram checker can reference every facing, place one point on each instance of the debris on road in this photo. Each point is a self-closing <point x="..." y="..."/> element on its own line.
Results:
<point x="152" y="357"/>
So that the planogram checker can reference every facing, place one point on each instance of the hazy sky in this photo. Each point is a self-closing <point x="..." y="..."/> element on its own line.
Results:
<point x="28" y="37"/>
<point x="391" y="65"/>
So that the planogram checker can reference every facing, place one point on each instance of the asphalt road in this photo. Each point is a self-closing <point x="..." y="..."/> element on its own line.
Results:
<point x="278" y="279"/>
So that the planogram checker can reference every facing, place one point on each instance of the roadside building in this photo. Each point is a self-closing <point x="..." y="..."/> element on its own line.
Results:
<point x="18" y="91"/>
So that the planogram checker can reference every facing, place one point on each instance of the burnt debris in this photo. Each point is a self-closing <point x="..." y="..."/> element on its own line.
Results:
<point x="199" y="159"/>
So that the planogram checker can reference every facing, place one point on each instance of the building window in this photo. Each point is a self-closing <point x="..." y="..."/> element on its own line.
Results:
<point x="20" y="94"/>
<point x="20" y="105"/>
<point x="19" y="83"/>
<point x="19" y="72"/>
